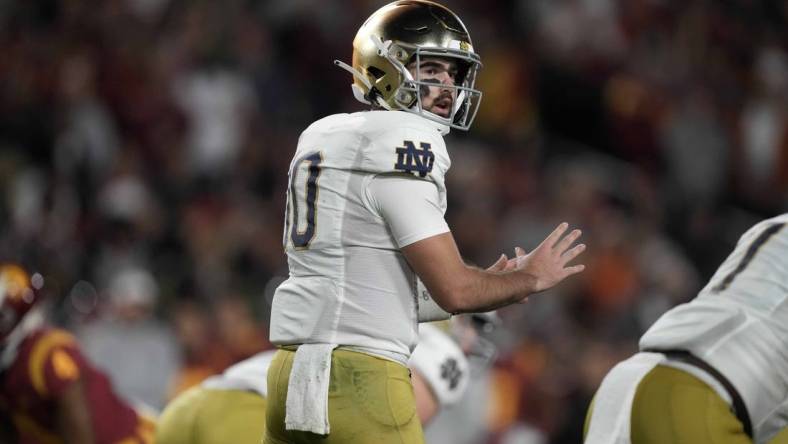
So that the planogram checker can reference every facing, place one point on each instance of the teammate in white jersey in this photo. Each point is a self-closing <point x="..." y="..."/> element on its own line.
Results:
<point x="231" y="406"/>
<point x="364" y="228"/>
<point x="714" y="370"/>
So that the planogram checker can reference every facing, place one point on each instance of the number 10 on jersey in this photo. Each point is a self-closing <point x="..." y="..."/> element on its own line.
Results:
<point x="302" y="194"/>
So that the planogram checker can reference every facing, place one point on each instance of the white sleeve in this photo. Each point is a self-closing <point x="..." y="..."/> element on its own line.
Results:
<point x="409" y="205"/>
<point x="443" y="365"/>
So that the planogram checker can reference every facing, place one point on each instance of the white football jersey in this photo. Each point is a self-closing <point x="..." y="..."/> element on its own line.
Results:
<point x="349" y="284"/>
<point x="251" y="374"/>
<point x="739" y="324"/>
<point x="441" y="362"/>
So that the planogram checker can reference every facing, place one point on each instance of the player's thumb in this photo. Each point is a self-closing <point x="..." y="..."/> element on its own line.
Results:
<point x="500" y="264"/>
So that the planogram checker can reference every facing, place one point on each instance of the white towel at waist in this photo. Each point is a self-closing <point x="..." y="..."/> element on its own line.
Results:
<point x="610" y="420"/>
<point x="306" y="408"/>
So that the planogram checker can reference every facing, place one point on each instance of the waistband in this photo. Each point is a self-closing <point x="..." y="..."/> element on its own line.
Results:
<point x="382" y="354"/>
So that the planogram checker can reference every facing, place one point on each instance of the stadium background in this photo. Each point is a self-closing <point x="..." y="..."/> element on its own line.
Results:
<point x="156" y="134"/>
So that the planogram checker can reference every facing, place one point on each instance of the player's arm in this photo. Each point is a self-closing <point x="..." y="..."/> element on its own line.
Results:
<point x="461" y="288"/>
<point x="427" y="404"/>
<point x="73" y="415"/>
<point x="411" y="209"/>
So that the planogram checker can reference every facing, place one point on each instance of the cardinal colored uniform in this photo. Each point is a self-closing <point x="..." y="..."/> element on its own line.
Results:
<point x="362" y="186"/>
<point x="714" y="370"/>
<point x="233" y="404"/>
<point x="39" y="369"/>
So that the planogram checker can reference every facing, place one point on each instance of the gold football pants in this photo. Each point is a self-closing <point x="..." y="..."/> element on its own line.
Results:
<point x="673" y="407"/>
<point x="370" y="401"/>
<point x="210" y="416"/>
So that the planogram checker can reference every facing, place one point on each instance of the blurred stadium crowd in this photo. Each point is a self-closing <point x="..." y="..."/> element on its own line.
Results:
<point x="144" y="147"/>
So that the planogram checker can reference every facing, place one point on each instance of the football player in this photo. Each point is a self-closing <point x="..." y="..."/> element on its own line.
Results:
<point x="49" y="392"/>
<point x="714" y="370"/>
<point x="233" y="404"/>
<point x="369" y="251"/>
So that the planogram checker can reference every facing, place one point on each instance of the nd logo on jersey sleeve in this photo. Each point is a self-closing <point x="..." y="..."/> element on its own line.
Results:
<point x="415" y="160"/>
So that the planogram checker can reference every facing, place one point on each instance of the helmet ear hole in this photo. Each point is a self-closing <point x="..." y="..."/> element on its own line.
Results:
<point x="405" y="98"/>
<point x="376" y="72"/>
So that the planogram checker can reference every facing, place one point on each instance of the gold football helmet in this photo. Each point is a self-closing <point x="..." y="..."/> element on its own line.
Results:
<point x="403" y="32"/>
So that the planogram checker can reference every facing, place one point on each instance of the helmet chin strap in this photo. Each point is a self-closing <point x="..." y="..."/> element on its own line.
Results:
<point x="358" y="93"/>
<point x="353" y="71"/>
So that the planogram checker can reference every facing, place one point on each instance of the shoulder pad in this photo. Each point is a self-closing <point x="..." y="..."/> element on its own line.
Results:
<point x="52" y="363"/>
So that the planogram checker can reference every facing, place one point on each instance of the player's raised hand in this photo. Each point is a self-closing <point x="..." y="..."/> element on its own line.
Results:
<point x="547" y="263"/>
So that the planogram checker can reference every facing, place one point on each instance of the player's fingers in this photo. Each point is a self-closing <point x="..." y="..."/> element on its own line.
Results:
<point x="574" y="269"/>
<point x="555" y="235"/>
<point x="500" y="264"/>
<point x="519" y="252"/>
<point x="568" y="240"/>
<point x="573" y="253"/>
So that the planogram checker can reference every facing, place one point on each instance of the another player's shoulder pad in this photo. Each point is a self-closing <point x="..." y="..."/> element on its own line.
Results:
<point x="50" y="338"/>
<point x="442" y="364"/>
<point x="54" y="360"/>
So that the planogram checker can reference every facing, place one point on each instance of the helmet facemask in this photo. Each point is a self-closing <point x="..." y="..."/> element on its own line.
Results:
<point x="409" y="96"/>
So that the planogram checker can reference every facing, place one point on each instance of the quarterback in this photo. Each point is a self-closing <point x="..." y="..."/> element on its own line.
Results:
<point x="369" y="251"/>
<point x="49" y="392"/>
<point x="714" y="370"/>
<point x="233" y="404"/>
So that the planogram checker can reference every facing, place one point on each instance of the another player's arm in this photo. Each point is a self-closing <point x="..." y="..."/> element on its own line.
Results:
<point x="461" y="288"/>
<point x="73" y="415"/>
<point x="427" y="404"/>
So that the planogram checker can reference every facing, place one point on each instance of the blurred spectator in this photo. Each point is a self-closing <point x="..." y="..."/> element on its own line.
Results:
<point x="217" y="103"/>
<point x="763" y="175"/>
<point x="203" y="353"/>
<point x="693" y="132"/>
<point x="88" y="140"/>
<point x="139" y="353"/>
<point x="238" y="330"/>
